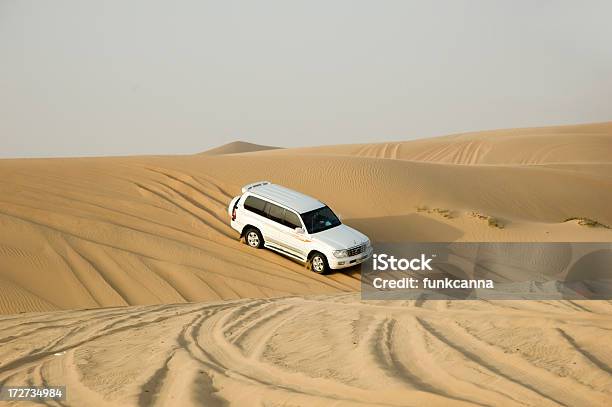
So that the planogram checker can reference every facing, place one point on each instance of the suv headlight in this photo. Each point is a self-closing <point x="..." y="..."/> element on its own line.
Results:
<point x="340" y="253"/>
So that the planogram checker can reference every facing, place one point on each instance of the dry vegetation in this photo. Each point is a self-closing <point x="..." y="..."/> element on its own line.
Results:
<point x="587" y="222"/>
<point x="491" y="221"/>
<point x="445" y="213"/>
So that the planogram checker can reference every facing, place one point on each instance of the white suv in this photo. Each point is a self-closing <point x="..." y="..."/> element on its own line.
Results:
<point x="298" y="226"/>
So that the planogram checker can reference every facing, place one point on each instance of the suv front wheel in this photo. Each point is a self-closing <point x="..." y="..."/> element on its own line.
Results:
<point x="318" y="263"/>
<point x="253" y="238"/>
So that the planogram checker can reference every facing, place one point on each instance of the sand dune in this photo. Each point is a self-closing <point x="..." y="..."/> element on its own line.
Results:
<point x="260" y="329"/>
<point x="588" y="143"/>
<point x="318" y="351"/>
<point x="105" y="232"/>
<point x="91" y="232"/>
<point x="237" y="147"/>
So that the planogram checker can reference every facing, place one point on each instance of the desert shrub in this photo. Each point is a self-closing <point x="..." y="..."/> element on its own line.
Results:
<point x="444" y="212"/>
<point x="491" y="221"/>
<point x="587" y="222"/>
<point x="495" y="223"/>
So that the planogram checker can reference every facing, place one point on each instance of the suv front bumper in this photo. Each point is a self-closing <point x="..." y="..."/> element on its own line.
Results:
<point x="344" y="262"/>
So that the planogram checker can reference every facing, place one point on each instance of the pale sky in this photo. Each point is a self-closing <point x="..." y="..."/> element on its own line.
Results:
<point x="82" y="77"/>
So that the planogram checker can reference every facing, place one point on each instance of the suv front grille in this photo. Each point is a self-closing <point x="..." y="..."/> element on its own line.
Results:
<point x="354" y="251"/>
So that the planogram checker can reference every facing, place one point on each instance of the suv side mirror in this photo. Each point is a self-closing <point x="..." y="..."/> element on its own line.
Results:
<point x="299" y="231"/>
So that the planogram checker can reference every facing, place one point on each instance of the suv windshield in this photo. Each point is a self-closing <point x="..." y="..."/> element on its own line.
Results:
<point x="320" y="219"/>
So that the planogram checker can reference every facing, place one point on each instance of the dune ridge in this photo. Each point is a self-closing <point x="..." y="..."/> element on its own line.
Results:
<point x="585" y="143"/>
<point x="238" y="147"/>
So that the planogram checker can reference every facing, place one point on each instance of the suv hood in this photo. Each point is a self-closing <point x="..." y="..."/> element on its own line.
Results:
<point x="340" y="237"/>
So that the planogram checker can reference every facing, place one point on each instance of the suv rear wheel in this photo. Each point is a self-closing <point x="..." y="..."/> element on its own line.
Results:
<point x="253" y="238"/>
<point x="318" y="263"/>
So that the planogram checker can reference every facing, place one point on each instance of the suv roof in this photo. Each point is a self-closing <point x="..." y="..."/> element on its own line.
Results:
<point x="284" y="196"/>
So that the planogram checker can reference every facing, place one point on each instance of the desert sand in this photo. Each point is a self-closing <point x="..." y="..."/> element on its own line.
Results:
<point x="211" y="322"/>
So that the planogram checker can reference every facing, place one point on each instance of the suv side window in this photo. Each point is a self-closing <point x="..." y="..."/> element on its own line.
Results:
<point x="276" y="213"/>
<point x="292" y="220"/>
<point x="255" y="204"/>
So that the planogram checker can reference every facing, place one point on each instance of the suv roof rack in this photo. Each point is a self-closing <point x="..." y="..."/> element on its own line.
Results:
<point x="248" y="187"/>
